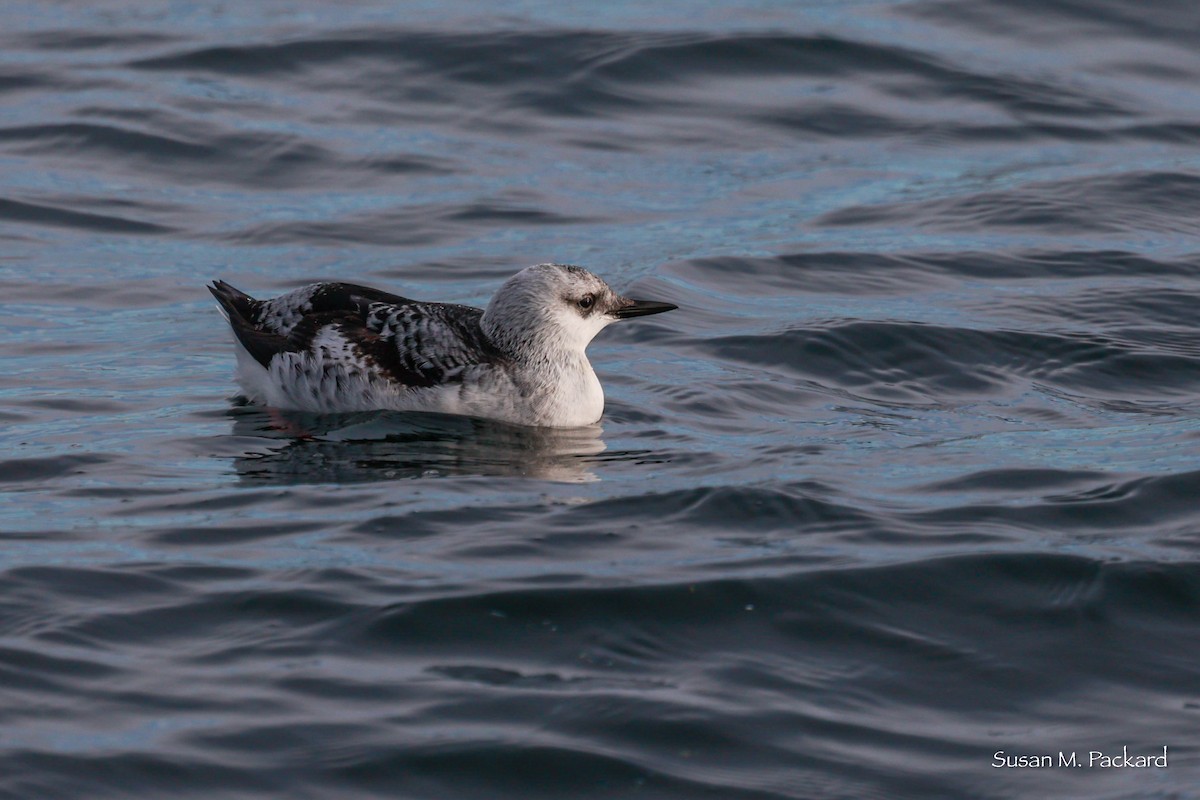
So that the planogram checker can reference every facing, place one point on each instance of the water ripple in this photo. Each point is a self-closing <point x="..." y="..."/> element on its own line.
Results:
<point x="908" y="479"/>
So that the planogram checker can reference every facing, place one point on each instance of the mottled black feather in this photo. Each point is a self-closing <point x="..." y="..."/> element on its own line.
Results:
<point x="436" y="340"/>
<point x="351" y="297"/>
<point x="383" y="354"/>
<point x="386" y="330"/>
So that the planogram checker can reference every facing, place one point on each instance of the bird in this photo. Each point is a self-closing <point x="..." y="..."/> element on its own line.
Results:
<point x="342" y="347"/>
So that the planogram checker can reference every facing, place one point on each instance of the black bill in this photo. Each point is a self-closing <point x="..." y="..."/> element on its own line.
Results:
<point x="640" y="308"/>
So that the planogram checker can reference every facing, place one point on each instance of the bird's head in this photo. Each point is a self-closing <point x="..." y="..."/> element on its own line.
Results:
<point x="556" y="306"/>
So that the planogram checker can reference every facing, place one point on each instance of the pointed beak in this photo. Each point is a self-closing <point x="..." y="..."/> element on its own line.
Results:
<point x="640" y="308"/>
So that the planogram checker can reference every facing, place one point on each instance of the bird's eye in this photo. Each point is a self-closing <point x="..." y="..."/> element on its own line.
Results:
<point x="586" y="302"/>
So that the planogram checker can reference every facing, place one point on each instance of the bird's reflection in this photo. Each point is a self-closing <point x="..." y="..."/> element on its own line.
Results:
<point x="385" y="446"/>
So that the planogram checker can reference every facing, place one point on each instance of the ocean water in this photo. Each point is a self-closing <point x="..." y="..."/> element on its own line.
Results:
<point x="912" y="478"/>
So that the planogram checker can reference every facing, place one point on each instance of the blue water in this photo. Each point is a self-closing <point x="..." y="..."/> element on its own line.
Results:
<point x="909" y="479"/>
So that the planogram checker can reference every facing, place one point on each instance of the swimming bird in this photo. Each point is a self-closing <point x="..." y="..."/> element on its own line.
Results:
<point x="335" y="347"/>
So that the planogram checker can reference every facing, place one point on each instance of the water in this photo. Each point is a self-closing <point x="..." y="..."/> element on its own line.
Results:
<point x="909" y="479"/>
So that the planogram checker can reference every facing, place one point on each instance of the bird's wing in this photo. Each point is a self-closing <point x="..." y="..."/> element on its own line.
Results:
<point x="333" y="339"/>
<point x="435" y="340"/>
<point x="411" y="343"/>
<point x="281" y="314"/>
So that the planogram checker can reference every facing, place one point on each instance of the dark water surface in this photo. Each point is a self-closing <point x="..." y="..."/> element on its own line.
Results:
<point x="911" y="478"/>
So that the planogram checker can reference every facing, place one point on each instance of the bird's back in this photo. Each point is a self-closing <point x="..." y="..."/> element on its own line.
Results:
<point x="329" y="345"/>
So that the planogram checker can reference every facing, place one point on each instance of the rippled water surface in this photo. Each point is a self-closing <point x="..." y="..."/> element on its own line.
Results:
<point x="910" y="478"/>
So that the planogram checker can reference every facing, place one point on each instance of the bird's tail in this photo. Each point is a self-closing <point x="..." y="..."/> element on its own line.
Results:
<point x="232" y="302"/>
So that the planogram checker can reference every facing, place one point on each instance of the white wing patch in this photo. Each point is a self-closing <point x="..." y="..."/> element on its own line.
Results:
<point x="329" y="375"/>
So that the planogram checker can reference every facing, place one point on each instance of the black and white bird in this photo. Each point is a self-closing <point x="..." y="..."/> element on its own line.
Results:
<point x="334" y="347"/>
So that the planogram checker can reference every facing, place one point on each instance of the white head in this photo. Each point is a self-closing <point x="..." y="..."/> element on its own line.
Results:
<point x="556" y="307"/>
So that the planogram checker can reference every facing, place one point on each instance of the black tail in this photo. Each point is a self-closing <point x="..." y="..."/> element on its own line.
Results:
<point x="235" y="303"/>
<point x="242" y="312"/>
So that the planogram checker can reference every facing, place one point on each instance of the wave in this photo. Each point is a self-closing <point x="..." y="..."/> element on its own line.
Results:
<point x="258" y="161"/>
<point x="44" y="213"/>
<point x="587" y="73"/>
<point x="913" y="361"/>
<point x="728" y="683"/>
<point x="1129" y="202"/>
<point x="918" y="445"/>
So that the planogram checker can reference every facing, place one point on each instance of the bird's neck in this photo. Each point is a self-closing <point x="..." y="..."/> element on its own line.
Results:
<point x="562" y="387"/>
<point x="553" y="375"/>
